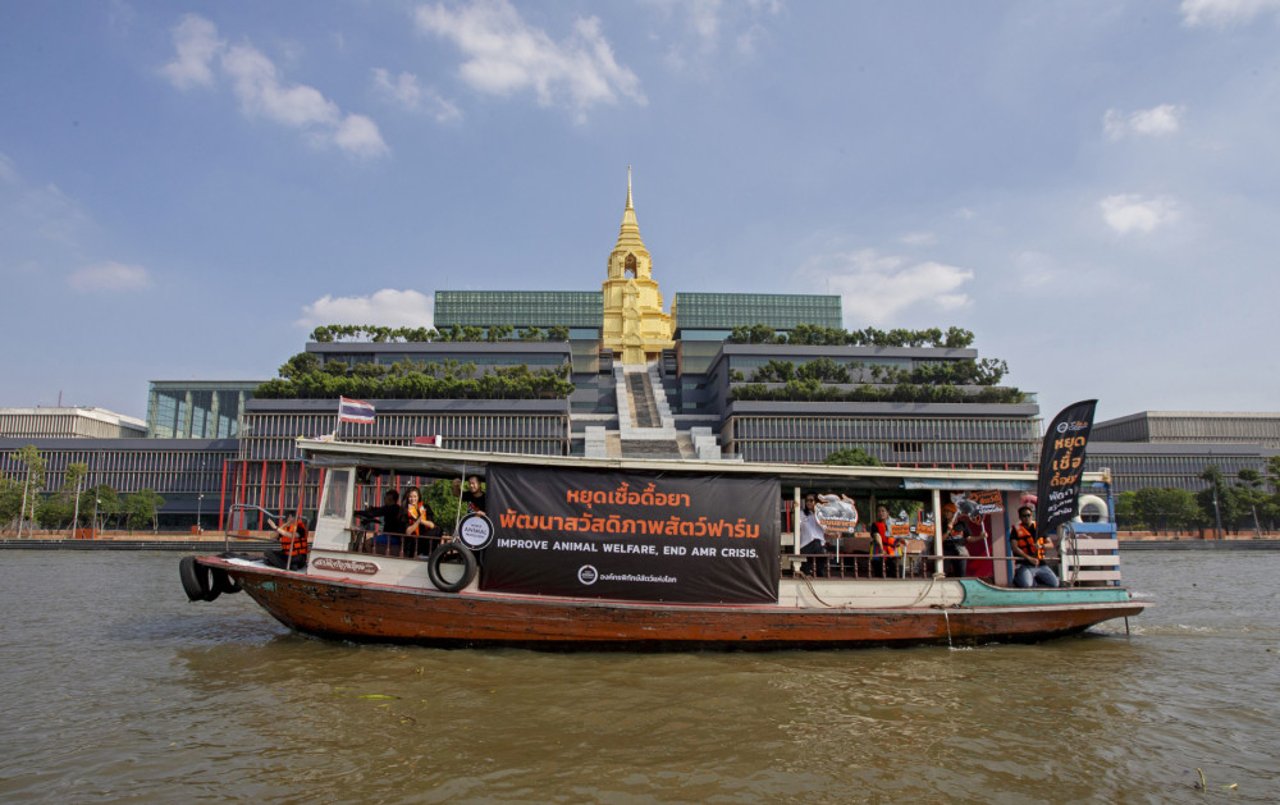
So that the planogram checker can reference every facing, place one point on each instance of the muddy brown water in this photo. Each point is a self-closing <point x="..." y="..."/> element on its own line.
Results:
<point x="113" y="686"/>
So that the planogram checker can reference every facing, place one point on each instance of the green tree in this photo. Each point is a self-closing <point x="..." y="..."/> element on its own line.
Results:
<point x="1127" y="512"/>
<point x="1165" y="509"/>
<point x="444" y="503"/>
<point x="32" y="478"/>
<point x="103" y="503"/>
<point x="143" y="507"/>
<point x="853" y="457"/>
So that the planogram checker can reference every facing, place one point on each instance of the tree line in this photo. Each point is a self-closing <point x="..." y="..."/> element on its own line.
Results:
<point x="329" y="333"/>
<point x="24" y="501"/>
<point x="305" y="376"/>
<point x="816" y="335"/>
<point x="1247" y="502"/>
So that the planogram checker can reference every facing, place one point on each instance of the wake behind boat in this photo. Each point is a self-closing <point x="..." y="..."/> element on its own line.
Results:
<point x="578" y="553"/>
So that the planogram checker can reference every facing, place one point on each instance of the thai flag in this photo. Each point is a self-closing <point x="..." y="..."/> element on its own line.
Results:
<point x="357" y="411"/>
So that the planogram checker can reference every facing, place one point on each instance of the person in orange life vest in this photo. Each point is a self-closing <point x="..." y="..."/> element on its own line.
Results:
<point x="1028" y="551"/>
<point x="884" y="545"/>
<point x="292" y="533"/>
<point x="421" y="520"/>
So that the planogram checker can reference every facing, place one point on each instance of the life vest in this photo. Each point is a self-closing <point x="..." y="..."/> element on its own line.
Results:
<point x="415" y="511"/>
<point x="1028" y="543"/>
<point x="890" y="541"/>
<point x="294" y="543"/>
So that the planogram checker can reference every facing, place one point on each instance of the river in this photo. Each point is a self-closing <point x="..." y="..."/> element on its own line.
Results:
<point x="113" y="686"/>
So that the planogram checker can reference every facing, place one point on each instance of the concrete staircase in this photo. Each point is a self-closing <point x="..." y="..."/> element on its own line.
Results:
<point x="646" y="427"/>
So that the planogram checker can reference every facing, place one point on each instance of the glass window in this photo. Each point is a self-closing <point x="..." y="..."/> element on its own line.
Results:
<point x="335" y="494"/>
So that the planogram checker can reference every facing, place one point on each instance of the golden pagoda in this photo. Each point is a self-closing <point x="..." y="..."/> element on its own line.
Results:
<point x="635" y="326"/>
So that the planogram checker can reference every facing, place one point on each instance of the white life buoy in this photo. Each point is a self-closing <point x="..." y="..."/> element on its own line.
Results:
<point x="1092" y="504"/>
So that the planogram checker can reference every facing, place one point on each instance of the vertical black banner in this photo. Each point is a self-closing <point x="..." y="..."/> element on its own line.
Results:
<point x="1062" y="465"/>
<point x="632" y="536"/>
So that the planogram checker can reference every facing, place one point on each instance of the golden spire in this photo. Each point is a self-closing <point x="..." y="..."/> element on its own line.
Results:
<point x="629" y="233"/>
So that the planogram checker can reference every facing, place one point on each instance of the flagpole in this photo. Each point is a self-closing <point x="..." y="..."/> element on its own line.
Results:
<point x="338" y="423"/>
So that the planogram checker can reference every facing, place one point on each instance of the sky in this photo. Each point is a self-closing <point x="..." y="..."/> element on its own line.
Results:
<point x="1092" y="188"/>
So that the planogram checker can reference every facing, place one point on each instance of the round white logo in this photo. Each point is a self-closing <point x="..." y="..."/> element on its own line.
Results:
<point x="475" y="531"/>
<point x="588" y="574"/>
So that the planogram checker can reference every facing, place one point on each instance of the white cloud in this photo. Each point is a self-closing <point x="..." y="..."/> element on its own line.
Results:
<point x="256" y="83"/>
<point x="503" y="55"/>
<point x="1158" y="121"/>
<point x="196" y="40"/>
<point x="262" y="92"/>
<point x="386" y="307"/>
<point x="1129" y="212"/>
<point x="359" y="135"/>
<point x="1222" y="13"/>
<point x="405" y="91"/>
<point x="919" y="239"/>
<point x="109" y="276"/>
<point x="877" y="287"/>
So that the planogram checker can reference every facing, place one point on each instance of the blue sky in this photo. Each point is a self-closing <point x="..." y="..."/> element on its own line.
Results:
<point x="1093" y="188"/>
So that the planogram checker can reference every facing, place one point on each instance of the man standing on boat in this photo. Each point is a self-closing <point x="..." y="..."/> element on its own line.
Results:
<point x="813" y="538"/>
<point x="1028" y="552"/>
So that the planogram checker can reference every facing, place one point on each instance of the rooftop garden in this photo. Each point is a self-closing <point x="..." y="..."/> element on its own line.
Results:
<point x="330" y="333"/>
<point x="305" y="376"/>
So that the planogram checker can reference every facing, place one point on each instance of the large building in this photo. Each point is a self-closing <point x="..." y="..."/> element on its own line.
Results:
<point x="1171" y="449"/>
<point x="644" y="381"/>
<point x="68" y="423"/>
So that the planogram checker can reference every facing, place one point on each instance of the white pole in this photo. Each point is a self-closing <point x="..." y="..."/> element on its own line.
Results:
<point x="937" y="532"/>
<point x="75" y="518"/>
<point x="23" y="513"/>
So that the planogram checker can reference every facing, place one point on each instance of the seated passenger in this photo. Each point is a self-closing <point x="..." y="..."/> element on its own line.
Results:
<point x="420" y="520"/>
<point x="1028" y="552"/>
<point x="292" y="553"/>
<point x="884" y="546"/>
<point x="392" y="517"/>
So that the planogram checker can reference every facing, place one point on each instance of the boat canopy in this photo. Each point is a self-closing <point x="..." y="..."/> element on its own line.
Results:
<point x="433" y="461"/>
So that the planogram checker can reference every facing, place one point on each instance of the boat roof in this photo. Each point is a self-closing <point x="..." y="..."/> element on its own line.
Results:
<point x="416" y="460"/>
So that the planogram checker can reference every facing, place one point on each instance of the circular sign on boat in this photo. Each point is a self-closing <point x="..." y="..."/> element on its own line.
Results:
<point x="587" y="574"/>
<point x="476" y="531"/>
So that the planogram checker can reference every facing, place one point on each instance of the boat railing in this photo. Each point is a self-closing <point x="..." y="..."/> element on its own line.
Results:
<point x="236" y="530"/>
<point x="374" y="542"/>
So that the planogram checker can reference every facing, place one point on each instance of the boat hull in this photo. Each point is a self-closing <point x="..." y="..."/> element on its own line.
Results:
<point x="352" y="610"/>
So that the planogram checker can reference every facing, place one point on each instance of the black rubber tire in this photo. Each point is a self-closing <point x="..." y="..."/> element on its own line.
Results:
<point x="195" y="580"/>
<point x="190" y="579"/>
<point x="222" y="581"/>
<point x="452" y="551"/>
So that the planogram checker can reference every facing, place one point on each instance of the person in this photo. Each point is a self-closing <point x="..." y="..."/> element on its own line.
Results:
<point x="292" y="553"/>
<point x="813" y="539"/>
<point x="955" y="540"/>
<point x="474" y="496"/>
<point x="419" y="519"/>
<point x="1030" y="569"/>
<point x="392" y="517"/>
<point x="884" y="546"/>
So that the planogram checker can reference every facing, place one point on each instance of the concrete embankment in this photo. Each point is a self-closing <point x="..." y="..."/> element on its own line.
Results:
<point x="138" y="541"/>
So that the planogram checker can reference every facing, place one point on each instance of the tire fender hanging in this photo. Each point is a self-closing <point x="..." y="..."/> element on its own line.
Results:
<point x="451" y="553"/>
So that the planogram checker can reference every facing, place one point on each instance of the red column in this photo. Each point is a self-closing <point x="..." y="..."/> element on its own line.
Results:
<point x="222" y="495"/>
<point x="262" y="492"/>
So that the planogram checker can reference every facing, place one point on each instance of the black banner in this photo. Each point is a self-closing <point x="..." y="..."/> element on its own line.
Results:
<point x="1061" y="466"/>
<point x="629" y="536"/>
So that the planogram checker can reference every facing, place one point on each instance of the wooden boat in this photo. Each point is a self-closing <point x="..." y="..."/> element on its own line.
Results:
<point x="592" y="554"/>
